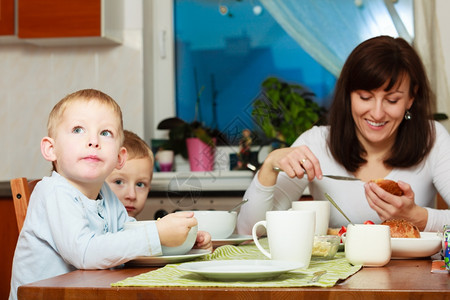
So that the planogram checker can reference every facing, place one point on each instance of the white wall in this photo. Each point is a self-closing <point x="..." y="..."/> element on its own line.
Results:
<point x="34" y="78"/>
<point x="443" y="21"/>
<point x="159" y="66"/>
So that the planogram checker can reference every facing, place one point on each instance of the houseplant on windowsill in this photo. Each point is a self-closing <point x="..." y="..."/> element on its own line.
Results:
<point x="283" y="110"/>
<point x="192" y="141"/>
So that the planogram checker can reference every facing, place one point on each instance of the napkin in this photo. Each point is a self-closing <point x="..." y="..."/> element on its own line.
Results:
<point x="337" y="269"/>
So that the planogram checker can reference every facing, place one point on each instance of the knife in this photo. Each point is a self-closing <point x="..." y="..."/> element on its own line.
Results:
<point x="336" y="177"/>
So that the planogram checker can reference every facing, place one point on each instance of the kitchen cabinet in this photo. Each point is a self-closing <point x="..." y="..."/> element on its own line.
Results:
<point x="66" y="22"/>
<point x="6" y="17"/>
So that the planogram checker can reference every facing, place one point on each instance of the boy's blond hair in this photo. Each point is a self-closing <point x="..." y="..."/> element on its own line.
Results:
<point x="136" y="147"/>
<point x="82" y="95"/>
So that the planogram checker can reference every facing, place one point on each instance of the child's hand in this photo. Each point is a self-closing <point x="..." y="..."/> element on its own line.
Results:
<point x="203" y="241"/>
<point x="173" y="228"/>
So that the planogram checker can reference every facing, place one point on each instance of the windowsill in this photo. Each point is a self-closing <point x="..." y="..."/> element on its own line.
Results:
<point x="202" y="181"/>
<point x="214" y="181"/>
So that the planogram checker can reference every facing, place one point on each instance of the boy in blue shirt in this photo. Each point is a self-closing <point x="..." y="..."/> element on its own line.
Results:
<point x="74" y="220"/>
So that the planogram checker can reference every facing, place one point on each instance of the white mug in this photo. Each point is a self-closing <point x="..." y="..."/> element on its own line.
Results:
<point x="368" y="245"/>
<point x="322" y="209"/>
<point x="165" y="160"/>
<point x="290" y="235"/>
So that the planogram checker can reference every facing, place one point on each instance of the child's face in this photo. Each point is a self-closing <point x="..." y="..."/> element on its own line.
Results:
<point x="86" y="146"/>
<point x="131" y="184"/>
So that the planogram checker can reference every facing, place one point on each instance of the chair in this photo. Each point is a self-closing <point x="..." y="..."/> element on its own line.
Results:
<point x="440" y="202"/>
<point x="21" y="190"/>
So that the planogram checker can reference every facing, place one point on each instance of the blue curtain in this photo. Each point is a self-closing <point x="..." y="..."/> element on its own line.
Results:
<point x="329" y="29"/>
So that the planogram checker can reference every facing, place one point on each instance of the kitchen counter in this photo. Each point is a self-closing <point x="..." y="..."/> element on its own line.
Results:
<point x="185" y="181"/>
<point x="202" y="181"/>
<point x="172" y="191"/>
<point x="216" y="190"/>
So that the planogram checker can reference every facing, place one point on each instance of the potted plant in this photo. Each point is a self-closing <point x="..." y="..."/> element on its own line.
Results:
<point x="283" y="110"/>
<point x="193" y="141"/>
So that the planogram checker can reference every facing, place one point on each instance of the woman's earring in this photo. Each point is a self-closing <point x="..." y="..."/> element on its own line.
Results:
<point x="408" y="115"/>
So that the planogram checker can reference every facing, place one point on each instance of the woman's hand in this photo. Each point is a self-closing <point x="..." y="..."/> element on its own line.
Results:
<point x="389" y="206"/>
<point x="294" y="161"/>
<point x="203" y="241"/>
<point x="174" y="228"/>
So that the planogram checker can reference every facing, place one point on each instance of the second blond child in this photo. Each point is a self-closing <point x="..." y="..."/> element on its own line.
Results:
<point x="132" y="182"/>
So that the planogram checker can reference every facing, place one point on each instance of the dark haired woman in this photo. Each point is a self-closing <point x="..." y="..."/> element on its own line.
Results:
<point x="380" y="126"/>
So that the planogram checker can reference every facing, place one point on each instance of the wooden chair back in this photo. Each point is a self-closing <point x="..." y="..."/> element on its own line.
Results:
<point x="21" y="190"/>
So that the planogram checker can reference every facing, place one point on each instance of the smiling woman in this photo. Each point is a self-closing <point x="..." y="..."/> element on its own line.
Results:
<point x="380" y="126"/>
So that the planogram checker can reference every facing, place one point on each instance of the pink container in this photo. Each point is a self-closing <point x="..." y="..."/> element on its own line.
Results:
<point x="201" y="155"/>
<point x="165" y="167"/>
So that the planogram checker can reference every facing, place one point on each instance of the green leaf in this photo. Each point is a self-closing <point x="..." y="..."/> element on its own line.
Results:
<point x="286" y="109"/>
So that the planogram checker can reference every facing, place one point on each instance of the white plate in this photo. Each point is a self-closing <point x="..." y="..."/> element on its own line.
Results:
<point x="229" y="270"/>
<point x="234" y="239"/>
<point x="428" y="244"/>
<point x="157" y="261"/>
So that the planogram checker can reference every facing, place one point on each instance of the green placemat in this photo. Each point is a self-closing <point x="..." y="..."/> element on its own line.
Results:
<point x="337" y="268"/>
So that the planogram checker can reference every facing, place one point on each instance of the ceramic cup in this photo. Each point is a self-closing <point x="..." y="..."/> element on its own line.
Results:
<point x="369" y="245"/>
<point x="165" y="160"/>
<point x="290" y="234"/>
<point x="169" y="251"/>
<point x="322" y="209"/>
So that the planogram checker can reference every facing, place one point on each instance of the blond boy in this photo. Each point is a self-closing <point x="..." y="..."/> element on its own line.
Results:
<point x="74" y="220"/>
<point x="131" y="183"/>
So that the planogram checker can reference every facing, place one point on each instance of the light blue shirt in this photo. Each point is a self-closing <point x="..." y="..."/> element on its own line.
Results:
<point x="65" y="231"/>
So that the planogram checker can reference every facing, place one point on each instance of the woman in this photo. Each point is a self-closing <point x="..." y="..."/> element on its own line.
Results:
<point x="380" y="127"/>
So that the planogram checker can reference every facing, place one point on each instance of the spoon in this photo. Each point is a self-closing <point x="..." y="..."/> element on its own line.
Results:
<point x="317" y="275"/>
<point x="337" y="177"/>
<point x="337" y="207"/>
<point x="239" y="205"/>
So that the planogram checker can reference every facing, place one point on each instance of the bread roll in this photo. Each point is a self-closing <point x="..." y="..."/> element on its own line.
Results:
<point x="402" y="229"/>
<point x="333" y="231"/>
<point x="389" y="186"/>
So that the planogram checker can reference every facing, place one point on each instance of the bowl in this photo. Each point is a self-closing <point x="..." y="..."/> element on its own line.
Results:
<point x="219" y="223"/>
<point x="169" y="251"/>
<point x="428" y="244"/>
<point x="325" y="246"/>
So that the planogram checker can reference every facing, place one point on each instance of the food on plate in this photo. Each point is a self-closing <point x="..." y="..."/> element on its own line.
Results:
<point x="343" y="229"/>
<point x="333" y="231"/>
<point x="337" y="231"/>
<point x="389" y="186"/>
<point x="402" y="228"/>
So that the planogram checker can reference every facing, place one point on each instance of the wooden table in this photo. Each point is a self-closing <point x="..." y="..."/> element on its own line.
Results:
<point x="400" y="279"/>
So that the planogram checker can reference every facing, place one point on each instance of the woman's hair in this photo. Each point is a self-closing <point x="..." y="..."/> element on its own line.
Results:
<point x="370" y="65"/>
<point x="82" y="95"/>
<point x="136" y="147"/>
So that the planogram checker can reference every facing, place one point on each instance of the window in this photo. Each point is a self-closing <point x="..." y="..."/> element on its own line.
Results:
<point x="224" y="50"/>
<point x="217" y="53"/>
